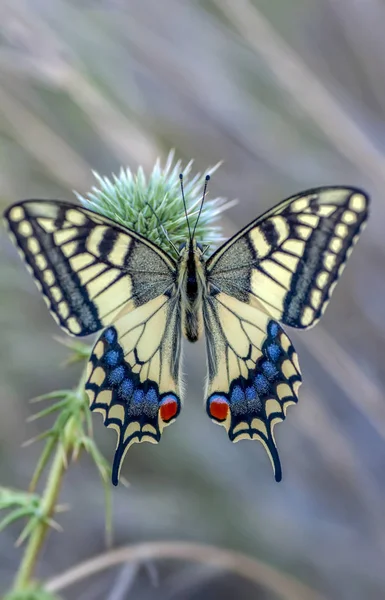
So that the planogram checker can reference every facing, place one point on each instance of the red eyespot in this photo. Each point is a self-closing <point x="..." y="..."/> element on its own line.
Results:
<point x="219" y="408"/>
<point x="169" y="408"/>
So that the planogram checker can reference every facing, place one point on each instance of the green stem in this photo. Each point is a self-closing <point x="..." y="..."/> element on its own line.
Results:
<point x="49" y="498"/>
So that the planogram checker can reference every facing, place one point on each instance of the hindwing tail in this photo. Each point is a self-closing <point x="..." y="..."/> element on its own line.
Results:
<point x="254" y="373"/>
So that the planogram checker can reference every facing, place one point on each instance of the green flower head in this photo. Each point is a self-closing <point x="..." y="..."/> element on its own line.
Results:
<point x="154" y="205"/>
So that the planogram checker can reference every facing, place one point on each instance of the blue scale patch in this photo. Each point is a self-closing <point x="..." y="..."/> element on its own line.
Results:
<point x="273" y="328"/>
<point x="116" y="376"/>
<point x="138" y="396"/>
<point x="262" y="384"/>
<point x="237" y="395"/>
<point x="151" y="403"/>
<point x="112" y="357"/>
<point x="126" y="389"/>
<point x="269" y="370"/>
<point x="136" y="407"/>
<point x="250" y="393"/>
<point x="110" y="335"/>
<point x="152" y="397"/>
<point x="274" y="351"/>
<point x="238" y="401"/>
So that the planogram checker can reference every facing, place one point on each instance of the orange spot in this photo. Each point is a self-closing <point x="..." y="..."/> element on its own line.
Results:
<point x="168" y="409"/>
<point x="219" y="409"/>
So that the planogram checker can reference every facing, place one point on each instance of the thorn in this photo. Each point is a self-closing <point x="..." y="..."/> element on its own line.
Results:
<point x="37" y="438"/>
<point x="54" y="524"/>
<point x="61" y="508"/>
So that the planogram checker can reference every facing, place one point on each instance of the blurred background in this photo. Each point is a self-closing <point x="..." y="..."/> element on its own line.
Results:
<point x="289" y="95"/>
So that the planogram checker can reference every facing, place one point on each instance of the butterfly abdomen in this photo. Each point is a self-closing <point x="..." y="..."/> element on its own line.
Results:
<point x="192" y="325"/>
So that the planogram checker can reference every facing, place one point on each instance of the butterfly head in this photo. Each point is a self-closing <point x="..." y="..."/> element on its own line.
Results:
<point x="190" y="246"/>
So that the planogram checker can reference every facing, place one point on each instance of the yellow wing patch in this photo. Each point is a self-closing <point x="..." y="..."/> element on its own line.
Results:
<point x="133" y="375"/>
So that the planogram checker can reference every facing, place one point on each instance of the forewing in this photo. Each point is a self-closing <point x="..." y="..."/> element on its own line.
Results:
<point x="253" y="372"/>
<point x="86" y="266"/>
<point x="133" y="375"/>
<point x="288" y="260"/>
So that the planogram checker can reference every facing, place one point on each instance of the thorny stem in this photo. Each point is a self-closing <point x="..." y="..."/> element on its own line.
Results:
<point x="48" y="503"/>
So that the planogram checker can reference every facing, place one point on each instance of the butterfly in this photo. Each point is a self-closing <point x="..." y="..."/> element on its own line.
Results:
<point x="96" y="275"/>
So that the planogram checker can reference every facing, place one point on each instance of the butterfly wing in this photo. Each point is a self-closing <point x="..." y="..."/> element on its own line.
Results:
<point x="288" y="260"/>
<point x="253" y="371"/>
<point x="86" y="266"/>
<point x="133" y="375"/>
<point x="93" y="273"/>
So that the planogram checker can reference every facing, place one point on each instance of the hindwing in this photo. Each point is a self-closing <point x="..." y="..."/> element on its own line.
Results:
<point x="133" y="374"/>
<point x="288" y="260"/>
<point x="253" y="372"/>
<point x="87" y="267"/>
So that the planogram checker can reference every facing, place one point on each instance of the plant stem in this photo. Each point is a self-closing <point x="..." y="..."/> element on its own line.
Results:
<point x="49" y="498"/>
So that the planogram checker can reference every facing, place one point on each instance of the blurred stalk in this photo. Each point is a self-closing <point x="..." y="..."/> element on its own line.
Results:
<point x="71" y="433"/>
<point x="293" y="77"/>
<point x="280" y="584"/>
<point x="49" y="498"/>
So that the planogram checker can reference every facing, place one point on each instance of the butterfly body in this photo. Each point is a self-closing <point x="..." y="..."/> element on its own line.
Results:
<point x="192" y="289"/>
<point x="96" y="275"/>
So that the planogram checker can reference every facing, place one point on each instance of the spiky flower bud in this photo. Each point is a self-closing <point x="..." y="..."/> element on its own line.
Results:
<point x="154" y="205"/>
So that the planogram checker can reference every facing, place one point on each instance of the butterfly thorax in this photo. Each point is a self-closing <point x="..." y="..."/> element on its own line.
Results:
<point x="191" y="284"/>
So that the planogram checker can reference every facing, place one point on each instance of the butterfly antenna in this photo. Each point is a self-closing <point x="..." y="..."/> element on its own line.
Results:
<point x="203" y="199"/>
<point x="184" y="204"/>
